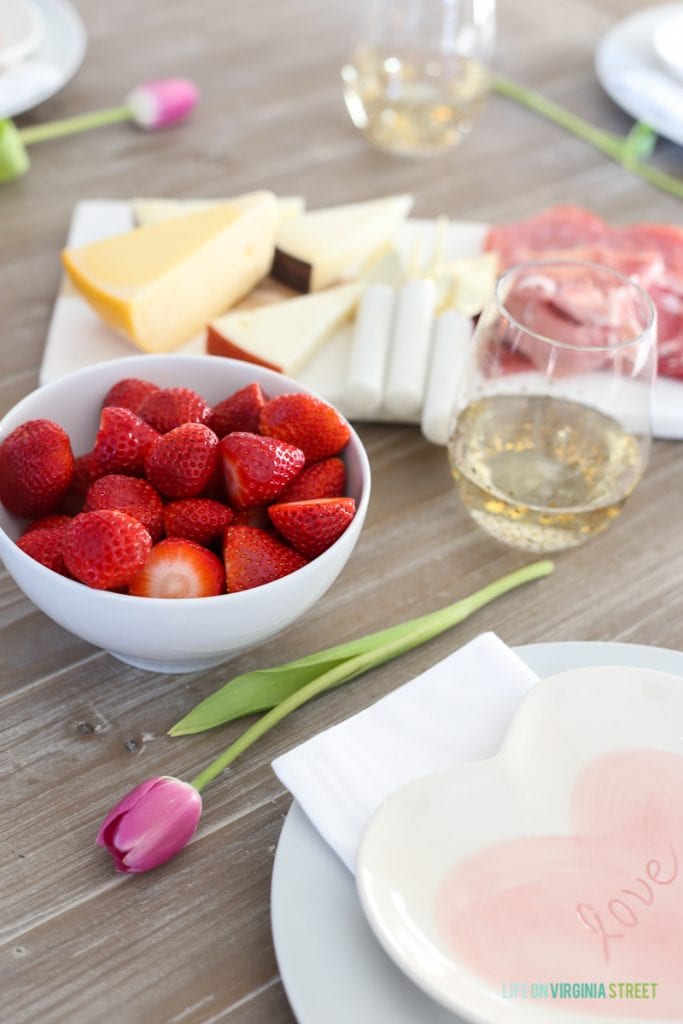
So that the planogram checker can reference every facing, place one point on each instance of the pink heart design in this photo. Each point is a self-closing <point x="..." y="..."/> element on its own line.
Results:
<point x="603" y="904"/>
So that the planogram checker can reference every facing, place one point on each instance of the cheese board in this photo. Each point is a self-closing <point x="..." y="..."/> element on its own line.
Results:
<point x="78" y="337"/>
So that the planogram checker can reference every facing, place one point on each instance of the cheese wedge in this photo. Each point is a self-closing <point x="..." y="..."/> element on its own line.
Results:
<point x="151" y="211"/>
<point x="161" y="284"/>
<point x="473" y="280"/>
<point x="325" y="247"/>
<point x="283" y="335"/>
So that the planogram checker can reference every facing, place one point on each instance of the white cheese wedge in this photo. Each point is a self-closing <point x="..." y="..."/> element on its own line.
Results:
<point x="473" y="279"/>
<point x="324" y="247"/>
<point x="151" y="211"/>
<point x="159" y="285"/>
<point x="283" y="335"/>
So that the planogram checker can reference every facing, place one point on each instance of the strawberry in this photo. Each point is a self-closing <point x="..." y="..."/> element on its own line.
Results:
<point x="47" y="523"/>
<point x="105" y="549"/>
<point x="198" y="519"/>
<point x="253" y="557"/>
<point x="255" y="516"/>
<point x="87" y="469"/>
<point x="307" y="422"/>
<point x="181" y="463"/>
<point x="122" y="442"/>
<point x="168" y="408"/>
<point x="257" y="468"/>
<point x="43" y="541"/>
<point x="312" y="526"/>
<point x="36" y="466"/>
<point x="131" y="495"/>
<point x="326" y="479"/>
<point x="129" y="393"/>
<point x="178" y="568"/>
<point x="240" y="411"/>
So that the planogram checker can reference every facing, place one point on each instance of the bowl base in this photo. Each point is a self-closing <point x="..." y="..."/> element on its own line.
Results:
<point x="170" y="667"/>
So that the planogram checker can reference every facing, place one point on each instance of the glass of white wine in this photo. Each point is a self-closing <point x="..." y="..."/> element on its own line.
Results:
<point x="551" y="427"/>
<point x="419" y="74"/>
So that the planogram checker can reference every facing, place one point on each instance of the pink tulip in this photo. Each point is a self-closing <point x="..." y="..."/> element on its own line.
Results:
<point x="151" y="824"/>
<point x="162" y="102"/>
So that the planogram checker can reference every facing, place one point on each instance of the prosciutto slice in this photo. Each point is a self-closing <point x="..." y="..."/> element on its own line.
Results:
<point x="650" y="254"/>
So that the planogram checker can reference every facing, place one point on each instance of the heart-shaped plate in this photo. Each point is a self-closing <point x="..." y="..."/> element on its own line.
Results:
<point x="547" y="882"/>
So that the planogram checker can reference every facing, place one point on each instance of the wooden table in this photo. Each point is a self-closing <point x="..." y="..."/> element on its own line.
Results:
<point x="191" y="943"/>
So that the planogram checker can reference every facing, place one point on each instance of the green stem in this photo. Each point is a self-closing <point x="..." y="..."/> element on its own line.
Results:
<point x="426" y="628"/>
<point x="611" y="145"/>
<point x="73" y="125"/>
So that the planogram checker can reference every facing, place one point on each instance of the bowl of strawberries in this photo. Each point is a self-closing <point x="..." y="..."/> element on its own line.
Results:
<point x="175" y="510"/>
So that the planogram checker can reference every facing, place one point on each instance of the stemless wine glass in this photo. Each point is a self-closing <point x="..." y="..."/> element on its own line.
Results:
<point x="419" y="72"/>
<point x="552" y="422"/>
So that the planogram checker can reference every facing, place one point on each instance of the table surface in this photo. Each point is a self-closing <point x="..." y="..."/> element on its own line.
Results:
<point x="191" y="942"/>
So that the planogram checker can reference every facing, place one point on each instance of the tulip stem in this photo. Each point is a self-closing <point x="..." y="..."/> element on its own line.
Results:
<point x="72" y="125"/>
<point x="424" y="629"/>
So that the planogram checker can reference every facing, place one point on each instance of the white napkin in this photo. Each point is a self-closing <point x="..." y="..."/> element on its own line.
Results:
<point x="459" y="710"/>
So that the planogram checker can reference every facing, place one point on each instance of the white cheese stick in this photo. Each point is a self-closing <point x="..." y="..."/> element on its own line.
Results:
<point x="364" y="384"/>
<point x="450" y="349"/>
<point x="410" y="347"/>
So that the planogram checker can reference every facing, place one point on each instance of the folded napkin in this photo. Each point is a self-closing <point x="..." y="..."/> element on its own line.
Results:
<point x="459" y="710"/>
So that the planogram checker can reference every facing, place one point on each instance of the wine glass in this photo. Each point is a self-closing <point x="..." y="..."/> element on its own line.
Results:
<point x="419" y="72"/>
<point x="552" y="422"/>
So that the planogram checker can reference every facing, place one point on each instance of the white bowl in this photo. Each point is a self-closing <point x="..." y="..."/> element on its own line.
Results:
<point x="188" y="634"/>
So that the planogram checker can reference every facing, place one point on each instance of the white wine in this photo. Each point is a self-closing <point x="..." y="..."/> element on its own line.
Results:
<point x="411" y="104"/>
<point x="542" y="473"/>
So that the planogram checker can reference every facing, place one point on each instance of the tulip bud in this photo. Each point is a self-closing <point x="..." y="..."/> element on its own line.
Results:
<point x="162" y="102"/>
<point x="151" y="824"/>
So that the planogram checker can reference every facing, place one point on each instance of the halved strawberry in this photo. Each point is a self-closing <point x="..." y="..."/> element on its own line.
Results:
<point x="307" y="422"/>
<point x="312" y="526"/>
<point x="131" y="495"/>
<point x="178" y="568"/>
<point x="325" y="479"/>
<point x="197" y="519"/>
<point x="239" y="411"/>
<point x="181" y="463"/>
<point x="257" y="468"/>
<point x="130" y="393"/>
<point x="36" y="466"/>
<point x="105" y="549"/>
<point x="253" y="557"/>
<point x="122" y="442"/>
<point x="168" y="408"/>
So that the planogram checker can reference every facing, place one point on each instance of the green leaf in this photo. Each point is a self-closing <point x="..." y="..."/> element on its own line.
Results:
<point x="639" y="144"/>
<point x="263" y="689"/>
<point x="409" y="635"/>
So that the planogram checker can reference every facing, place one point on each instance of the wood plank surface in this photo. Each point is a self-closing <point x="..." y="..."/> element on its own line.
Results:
<point x="191" y="943"/>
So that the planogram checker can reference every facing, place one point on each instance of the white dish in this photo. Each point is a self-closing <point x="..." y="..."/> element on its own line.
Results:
<point x="630" y="72"/>
<point x="332" y="968"/>
<point x="50" y="65"/>
<point x="21" y="29"/>
<point x="525" y="868"/>
<point x="77" y="337"/>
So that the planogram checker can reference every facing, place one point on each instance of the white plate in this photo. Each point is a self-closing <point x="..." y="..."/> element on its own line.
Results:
<point x="21" y="29"/>
<point x="77" y="337"/>
<point x="525" y="869"/>
<point x="50" y="65"/>
<point x="629" y="71"/>
<point x="332" y="968"/>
